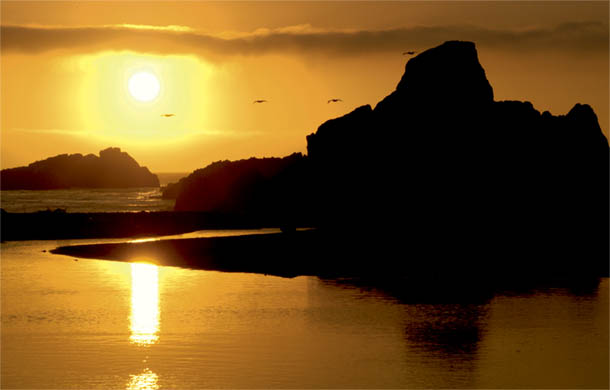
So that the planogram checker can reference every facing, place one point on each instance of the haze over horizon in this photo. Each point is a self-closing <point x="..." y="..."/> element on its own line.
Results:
<point x="66" y="70"/>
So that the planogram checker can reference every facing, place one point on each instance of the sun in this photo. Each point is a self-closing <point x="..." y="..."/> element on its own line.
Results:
<point x="144" y="86"/>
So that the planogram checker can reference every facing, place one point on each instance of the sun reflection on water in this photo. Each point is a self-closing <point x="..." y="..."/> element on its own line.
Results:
<point x="147" y="380"/>
<point x="144" y="304"/>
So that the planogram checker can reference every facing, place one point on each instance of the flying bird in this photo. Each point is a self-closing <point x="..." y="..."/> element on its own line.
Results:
<point x="409" y="53"/>
<point x="259" y="101"/>
<point x="334" y="101"/>
<point x="167" y="115"/>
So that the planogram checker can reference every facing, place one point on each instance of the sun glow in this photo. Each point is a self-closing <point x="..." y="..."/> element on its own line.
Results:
<point x="144" y="86"/>
<point x="144" y="304"/>
<point x="124" y="94"/>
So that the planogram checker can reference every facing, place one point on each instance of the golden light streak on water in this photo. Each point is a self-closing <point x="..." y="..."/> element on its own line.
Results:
<point x="147" y="380"/>
<point x="144" y="320"/>
<point x="144" y="240"/>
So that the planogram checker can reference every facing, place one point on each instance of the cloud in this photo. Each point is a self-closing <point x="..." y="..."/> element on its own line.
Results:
<point x="302" y="39"/>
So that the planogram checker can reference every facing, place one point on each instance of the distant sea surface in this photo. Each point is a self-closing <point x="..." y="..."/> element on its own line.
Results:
<point x="92" y="200"/>
<point x="86" y="200"/>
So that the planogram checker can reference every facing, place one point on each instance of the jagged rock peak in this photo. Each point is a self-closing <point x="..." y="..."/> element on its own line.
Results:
<point x="584" y="114"/>
<point x="111" y="151"/>
<point x="449" y="72"/>
<point x="115" y="154"/>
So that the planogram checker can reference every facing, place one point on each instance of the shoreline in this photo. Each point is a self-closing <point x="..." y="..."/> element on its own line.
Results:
<point x="58" y="224"/>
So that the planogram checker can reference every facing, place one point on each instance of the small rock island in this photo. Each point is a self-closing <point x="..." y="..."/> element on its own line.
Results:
<point x="112" y="169"/>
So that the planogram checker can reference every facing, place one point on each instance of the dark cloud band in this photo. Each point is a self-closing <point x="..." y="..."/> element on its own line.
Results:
<point x="584" y="36"/>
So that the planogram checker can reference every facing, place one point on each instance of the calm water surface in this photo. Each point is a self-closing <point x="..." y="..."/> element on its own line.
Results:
<point x="102" y="324"/>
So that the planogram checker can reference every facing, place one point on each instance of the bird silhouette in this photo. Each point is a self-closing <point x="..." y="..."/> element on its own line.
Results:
<point x="409" y="53"/>
<point x="334" y="101"/>
<point x="167" y="115"/>
<point x="259" y="101"/>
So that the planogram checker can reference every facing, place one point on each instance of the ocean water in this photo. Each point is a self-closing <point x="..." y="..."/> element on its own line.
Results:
<point x="170" y="177"/>
<point x="102" y="324"/>
<point x="86" y="200"/>
<point x="92" y="200"/>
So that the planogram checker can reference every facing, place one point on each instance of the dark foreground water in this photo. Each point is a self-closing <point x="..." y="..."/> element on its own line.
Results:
<point x="101" y="324"/>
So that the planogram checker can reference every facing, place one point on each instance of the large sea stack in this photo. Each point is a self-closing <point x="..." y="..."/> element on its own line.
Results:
<point x="442" y="175"/>
<point x="112" y="169"/>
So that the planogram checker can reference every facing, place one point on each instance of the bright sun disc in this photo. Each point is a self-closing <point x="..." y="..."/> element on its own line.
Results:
<point x="144" y="86"/>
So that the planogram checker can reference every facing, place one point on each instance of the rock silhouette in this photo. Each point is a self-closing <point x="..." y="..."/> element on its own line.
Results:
<point x="112" y="169"/>
<point x="268" y="189"/>
<point x="465" y="176"/>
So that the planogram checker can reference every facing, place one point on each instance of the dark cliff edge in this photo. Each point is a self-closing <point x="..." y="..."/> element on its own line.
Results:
<point x="112" y="169"/>
<point x="437" y="179"/>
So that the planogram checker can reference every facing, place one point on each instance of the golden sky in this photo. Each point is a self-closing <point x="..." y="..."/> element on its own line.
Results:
<point x="66" y="68"/>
